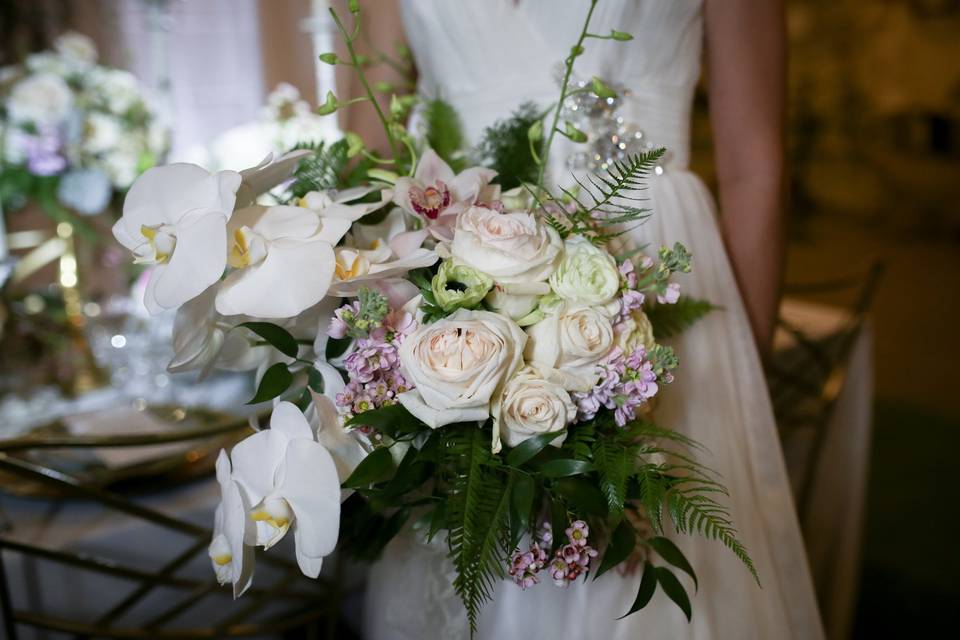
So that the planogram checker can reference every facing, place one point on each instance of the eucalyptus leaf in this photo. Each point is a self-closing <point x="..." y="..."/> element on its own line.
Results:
<point x="276" y="336"/>
<point x="275" y="381"/>
<point x="672" y="554"/>
<point x="530" y="447"/>
<point x="674" y="590"/>
<point x="622" y="542"/>
<point x="582" y="494"/>
<point x="648" y="585"/>
<point x="521" y="503"/>
<point x="376" y="467"/>
<point x="565" y="467"/>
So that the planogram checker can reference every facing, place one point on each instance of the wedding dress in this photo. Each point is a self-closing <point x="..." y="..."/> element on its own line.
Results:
<point x="486" y="57"/>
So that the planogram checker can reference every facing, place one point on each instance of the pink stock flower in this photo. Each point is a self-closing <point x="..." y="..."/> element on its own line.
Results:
<point x="670" y="295"/>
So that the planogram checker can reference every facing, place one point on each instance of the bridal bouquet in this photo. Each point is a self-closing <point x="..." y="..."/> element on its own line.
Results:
<point x="451" y="347"/>
<point x="73" y="132"/>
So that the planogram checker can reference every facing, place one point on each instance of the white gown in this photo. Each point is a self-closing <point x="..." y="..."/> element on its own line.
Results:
<point x="485" y="57"/>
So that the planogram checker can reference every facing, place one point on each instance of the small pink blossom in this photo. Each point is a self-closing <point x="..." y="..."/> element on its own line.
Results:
<point x="670" y="295"/>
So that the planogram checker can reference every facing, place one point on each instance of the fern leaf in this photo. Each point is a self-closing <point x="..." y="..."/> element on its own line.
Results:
<point x="505" y="148"/>
<point x="669" y="320"/>
<point x="444" y="131"/>
<point x="477" y="509"/>
<point x="614" y="463"/>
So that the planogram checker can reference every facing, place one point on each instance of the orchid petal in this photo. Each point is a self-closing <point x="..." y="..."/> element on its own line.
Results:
<point x="432" y="168"/>
<point x="164" y="195"/>
<point x="310" y="485"/>
<point x="255" y="462"/>
<point x="197" y="261"/>
<point x="403" y="244"/>
<point x="276" y="222"/>
<point x="293" y="277"/>
<point x="289" y="421"/>
<point x="268" y="174"/>
<point x="468" y="184"/>
<point x="346" y="451"/>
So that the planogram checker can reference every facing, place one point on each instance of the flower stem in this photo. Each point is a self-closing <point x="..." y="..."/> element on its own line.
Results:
<point x="574" y="53"/>
<point x="354" y="61"/>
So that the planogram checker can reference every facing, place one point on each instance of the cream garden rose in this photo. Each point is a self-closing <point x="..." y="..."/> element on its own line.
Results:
<point x="458" y="365"/>
<point x="531" y="406"/>
<point x="509" y="247"/>
<point x="587" y="274"/>
<point x="634" y="331"/>
<point x="570" y="344"/>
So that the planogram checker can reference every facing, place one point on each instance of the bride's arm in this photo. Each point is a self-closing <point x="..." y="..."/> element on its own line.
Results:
<point x="746" y="55"/>
<point x="381" y="24"/>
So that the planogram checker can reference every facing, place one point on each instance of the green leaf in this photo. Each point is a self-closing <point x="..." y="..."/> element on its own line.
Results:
<point x="521" y="503"/>
<point x="376" y="467"/>
<point x="622" y="36"/>
<point x="505" y="147"/>
<point x="674" y="590"/>
<point x="523" y="452"/>
<point x="329" y="106"/>
<point x="275" y="381"/>
<point x="614" y="464"/>
<point x="392" y="420"/>
<point x="648" y="585"/>
<point x="600" y="88"/>
<point x="565" y="467"/>
<point x="672" y="554"/>
<point x="329" y="58"/>
<point x="276" y="335"/>
<point x="669" y="320"/>
<point x="582" y="494"/>
<point x="574" y="134"/>
<point x="622" y="542"/>
<point x="444" y="131"/>
<point x="336" y="347"/>
<point x="314" y="380"/>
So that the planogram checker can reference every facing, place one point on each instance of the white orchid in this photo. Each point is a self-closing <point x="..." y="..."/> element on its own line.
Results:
<point x="266" y="175"/>
<point x="283" y="261"/>
<point x="204" y="339"/>
<point x="231" y="550"/>
<point x="334" y="204"/>
<point x="175" y="217"/>
<point x="435" y="195"/>
<point x="291" y="482"/>
<point x="345" y="449"/>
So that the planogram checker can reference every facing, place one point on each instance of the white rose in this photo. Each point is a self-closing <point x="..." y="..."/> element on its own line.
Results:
<point x="103" y="132"/>
<point x="571" y="343"/>
<point x="506" y="302"/>
<point x="77" y="49"/>
<point x="587" y="274"/>
<point x="509" y="247"/>
<point x="42" y="99"/>
<point x="458" y="365"/>
<point x="531" y="406"/>
<point x="634" y="331"/>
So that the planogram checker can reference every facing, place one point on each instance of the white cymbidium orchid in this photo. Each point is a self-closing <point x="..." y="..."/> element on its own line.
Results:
<point x="175" y="217"/>
<point x="231" y="550"/>
<point x="357" y="269"/>
<point x="334" y="204"/>
<point x="283" y="261"/>
<point x="291" y="482"/>
<point x="436" y="195"/>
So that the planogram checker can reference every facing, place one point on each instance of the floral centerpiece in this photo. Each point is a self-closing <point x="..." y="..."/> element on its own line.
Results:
<point x="450" y="345"/>
<point x="72" y="132"/>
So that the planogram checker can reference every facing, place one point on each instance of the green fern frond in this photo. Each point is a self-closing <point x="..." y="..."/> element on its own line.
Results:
<point x="321" y="170"/>
<point x="444" y="131"/>
<point x="505" y="147"/>
<point x="669" y="320"/>
<point x="477" y="509"/>
<point x="580" y="440"/>
<point x="697" y="512"/>
<point x="614" y="463"/>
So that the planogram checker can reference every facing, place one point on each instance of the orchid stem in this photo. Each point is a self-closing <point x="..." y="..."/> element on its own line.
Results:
<point x="348" y="40"/>
<point x="574" y="53"/>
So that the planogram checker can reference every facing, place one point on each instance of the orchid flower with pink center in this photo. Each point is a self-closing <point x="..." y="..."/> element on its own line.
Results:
<point x="436" y="195"/>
